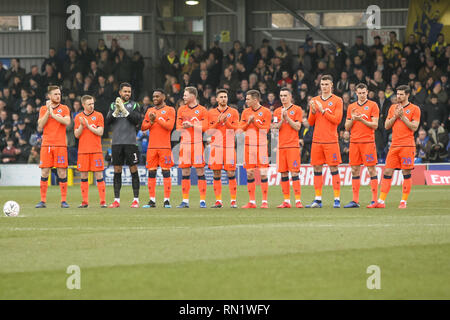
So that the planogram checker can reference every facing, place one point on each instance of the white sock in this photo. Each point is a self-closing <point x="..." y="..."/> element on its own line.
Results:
<point x="152" y="199"/>
<point x="136" y="199"/>
<point x="403" y="201"/>
<point x="287" y="201"/>
<point x="380" y="201"/>
<point x="337" y="199"/>
<point x="318" y="198"/>
<point x="186" y="201"/>
<point x="253" y="201"/>
<point x="117" y="199"/>
<point x="297" y="201"/>
<point x="166" y="199"/>
<point x="219" y="201"/>
<point x="264" y="201"/>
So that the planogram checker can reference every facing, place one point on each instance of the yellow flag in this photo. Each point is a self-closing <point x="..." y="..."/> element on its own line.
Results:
<point x="429" y="18"/>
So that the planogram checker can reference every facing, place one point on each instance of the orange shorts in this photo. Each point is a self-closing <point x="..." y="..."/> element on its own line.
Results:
<point x="401" y="158"/>
<point x="53" y="157"/>
<point x="222" y="158"/>
<point x="288" y="159"/>
<point x="159" y="157"/>
<point x="256" y="157"/>
<point x="363" y="153"/>
<point x="90" y="162"/>
<point x="328" y="153"/>
<point x="191" y="155"/>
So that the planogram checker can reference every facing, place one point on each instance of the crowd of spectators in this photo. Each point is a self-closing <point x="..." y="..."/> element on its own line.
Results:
<point x="383" y="67"/>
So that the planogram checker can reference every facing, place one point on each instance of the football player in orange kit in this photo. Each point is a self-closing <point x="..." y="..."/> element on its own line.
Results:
<point x="325" y="114"/>
<point x="223" y="122"/>
<point x="288" y="120"/>
<point x="362" y="121"/>
<point x="53" y="119"/>
<point x="404" y="119"/>
<point x="192" y="121"/>
<point x="255" y="121"/>
<point x="89" y="126"/>
<point x="160" y="120"/>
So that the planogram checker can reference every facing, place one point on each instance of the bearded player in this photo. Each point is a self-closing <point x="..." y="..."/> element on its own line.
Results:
<point x="223" y="122"/>
<point x="54" y="117"/>
<point x="404" y="119"/>
<point x="287" y="120"/>
<point x="89" y="126"/>
<point x="159" y="120"/>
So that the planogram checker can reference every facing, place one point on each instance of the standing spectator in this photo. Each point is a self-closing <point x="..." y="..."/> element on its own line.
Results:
<point x="137" y="73"/>
<point x="439" y="140"/>
<point x="435" y="111"/>
<point x="101" y="46"/>
<point x="3" y="82"/>
<point x="423" y="147"/>
<point x="64" y="53"/>
<point x="393" y="43"/>
<point x="23" y="151"/>
<point x="170" y="64"/>
<point x="51" y="60"/>
<point x="429" y="70"/>
<point x="105" y="64"/>
<point x="344" y="146"/>
<point x="14" y="71"/>
<point x="359" y="46"/>
<point x="122" y="67"/>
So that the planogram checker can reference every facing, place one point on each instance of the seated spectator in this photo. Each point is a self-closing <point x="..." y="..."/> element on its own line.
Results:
<point x="9" y="153"/>
<point x="429" y="70"/>
<point x="439" y="140"/>
<point x="23" y="151"/>
<point x="272" y="102"/>
<point x="34" y="157"/>
<point x="435" y="111"/>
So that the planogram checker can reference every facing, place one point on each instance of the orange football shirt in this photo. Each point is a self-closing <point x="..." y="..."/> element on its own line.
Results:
<point x="402" y="136"/>
<point x="54" y="133"/>
<point x="325" y="125"/>
<point x="88" y="141"/>
<point x="262" y="119"/>
<point x="359" y="132"/>
<point x="195" y="115"/>
<point x="161" y="129"/>
<point x="227" y="128"/>
<point x="287" y="136"/>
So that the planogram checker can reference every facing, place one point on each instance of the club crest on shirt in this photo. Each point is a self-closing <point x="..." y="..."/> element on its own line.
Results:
<point x="59" y="110"/>
<point x="260" y="114"/>
<point x="93" y="118"/>
<point x="292" y="112"/>
<point x="407" y="111"/>
<point x="330" y="103"/>
<point x="163" y="112"/>
<point x="366" y="108"/>
<point x="197" y="111"/>
<point x="228" y="115"/>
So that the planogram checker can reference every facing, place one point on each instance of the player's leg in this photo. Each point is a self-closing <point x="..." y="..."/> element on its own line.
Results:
<point x="233" y="187"/>
<point x="133" y="156"/>
<point x="45" y="172"/>
<point x="201" y="185"/>
<point x="373" y="185"/>
<point x="264" y="187"/>
<point x="251" y="189"/>
<point x="355" y="162"/>
<point x="392" y="162"/>
<point x="317" y="161"/>
<point x="101" y="187"/>
<point x="333" y="159"/>
<point x="294" y="161"/>
<point x="356" y="184"/>
<point x="118" y="159"/>
<point x="167" y="181"/>
<point x="407" y="164"/>
<point x="61" y="168"/>
<point x="84" y="185"/>
<point x="152" y="165"/>
<point x="406" y="187"/>
<point x="285" y="189"/>
<point x="283" y="170"/>
<point x="185" y="187"/>
<point x="217" y="186"/>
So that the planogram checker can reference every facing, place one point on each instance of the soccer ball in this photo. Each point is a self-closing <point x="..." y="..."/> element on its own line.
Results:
<point x="11" y="209"/>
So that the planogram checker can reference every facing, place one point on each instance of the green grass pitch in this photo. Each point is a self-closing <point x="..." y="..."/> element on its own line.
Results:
<point x="226" y="253"/>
